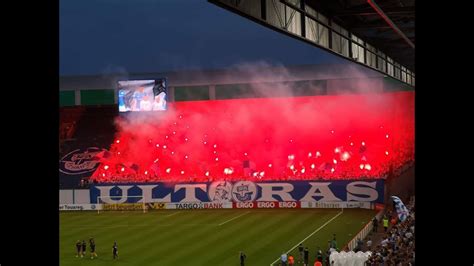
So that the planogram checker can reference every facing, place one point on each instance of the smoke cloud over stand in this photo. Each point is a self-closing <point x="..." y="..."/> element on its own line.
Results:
<point x="274" y="131"/>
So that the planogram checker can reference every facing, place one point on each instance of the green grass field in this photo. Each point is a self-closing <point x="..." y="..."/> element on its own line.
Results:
<point x="205" y="237"/>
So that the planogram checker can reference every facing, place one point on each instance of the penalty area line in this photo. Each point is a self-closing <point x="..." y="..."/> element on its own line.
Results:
<point x="314" y="232"/>
<point x="234" y="218"/>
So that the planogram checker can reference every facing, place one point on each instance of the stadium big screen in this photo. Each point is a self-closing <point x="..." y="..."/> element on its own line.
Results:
<point x="142" y="95"/>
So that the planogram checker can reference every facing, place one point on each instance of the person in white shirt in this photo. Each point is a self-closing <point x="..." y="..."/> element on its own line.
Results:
<point x="160" y="102"/>
<point x="369" y="243"/>
<point x="284" y="259"/>
<point x="145" y="104"/>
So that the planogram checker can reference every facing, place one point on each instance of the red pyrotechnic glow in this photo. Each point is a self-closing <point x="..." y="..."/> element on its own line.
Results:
<point x="345" y="156"/>
<point x="296" y="128"/>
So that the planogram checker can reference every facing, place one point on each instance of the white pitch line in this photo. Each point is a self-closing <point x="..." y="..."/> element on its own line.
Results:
<point x="171" y="214"/>
<point x="234" y="218"/>
<point x="314" y="232"/>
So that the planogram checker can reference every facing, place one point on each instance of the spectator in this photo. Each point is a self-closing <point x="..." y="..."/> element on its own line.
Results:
<point x="318" y="263"/>
<point x="284" y="259"/>
<point x="306" y="256"/>
<point x="385" y="223"/>
<point x="375" y="224"/>
<point x="333" y="242"/>
<point x="242" y="258"/>
<point x="291" y="260"/>
<point x="369" y="243"/>
<point x="319" y="254"/>
<point x="360" y="243"/>
<point x="393" y="221"/>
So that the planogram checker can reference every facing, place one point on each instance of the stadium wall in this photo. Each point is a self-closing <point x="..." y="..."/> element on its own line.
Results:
<point x="74" y="196"/>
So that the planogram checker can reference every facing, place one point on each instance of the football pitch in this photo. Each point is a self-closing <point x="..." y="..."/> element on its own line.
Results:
<point x="205" y="237"/>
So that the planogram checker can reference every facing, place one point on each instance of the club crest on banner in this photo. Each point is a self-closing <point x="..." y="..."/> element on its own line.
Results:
<point x="244" y="191"/>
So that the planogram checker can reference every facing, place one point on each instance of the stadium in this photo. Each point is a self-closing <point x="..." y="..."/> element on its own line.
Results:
<point x="202" y="167"/>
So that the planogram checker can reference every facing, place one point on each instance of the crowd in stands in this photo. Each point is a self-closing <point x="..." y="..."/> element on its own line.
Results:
<point x="398" y="244"/>
<point x="397" y="247"/>
<point x="130" y="175"/>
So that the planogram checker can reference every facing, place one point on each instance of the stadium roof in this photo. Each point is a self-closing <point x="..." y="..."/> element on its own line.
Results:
<point x="378" y="34"/>
<point x="360" y="18"/>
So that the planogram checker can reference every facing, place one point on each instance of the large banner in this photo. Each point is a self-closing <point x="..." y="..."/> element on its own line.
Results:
<point x="80" y="162"/>
<point x="243" y="191"/>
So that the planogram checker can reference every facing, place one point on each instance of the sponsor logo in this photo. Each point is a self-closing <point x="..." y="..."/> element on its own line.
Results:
<point x="206" y="205"/>
<point x="354" y="205"/>
<point x="79" y="207"/>
<point x="155" y="206"/>
<point x="123" y="207"/>
<point x="244" y="191"/>
<point x="289" y="204"/>
<point x="79" y="161"/>
<point x="220" y="191"/>
<point x="267" y="204"/>
<point x="67" y="207"/>
<point x="244" y="205"/>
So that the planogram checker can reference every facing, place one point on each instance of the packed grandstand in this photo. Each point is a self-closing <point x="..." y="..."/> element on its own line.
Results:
<point x="324" y="137"/>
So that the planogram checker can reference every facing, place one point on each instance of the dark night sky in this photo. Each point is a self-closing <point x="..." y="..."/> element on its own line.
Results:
<point x="102" y="36"/>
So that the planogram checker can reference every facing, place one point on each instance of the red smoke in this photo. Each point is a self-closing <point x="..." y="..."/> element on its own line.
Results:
<point x="323" y="133"/>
